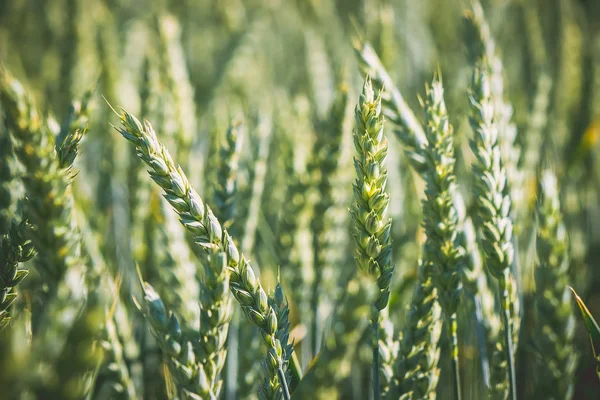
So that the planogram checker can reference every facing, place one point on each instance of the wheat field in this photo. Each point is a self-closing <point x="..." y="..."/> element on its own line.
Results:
<point x="299" y="199"/>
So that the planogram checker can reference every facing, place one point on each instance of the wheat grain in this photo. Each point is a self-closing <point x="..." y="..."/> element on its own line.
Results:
<point x="371" y="226"/>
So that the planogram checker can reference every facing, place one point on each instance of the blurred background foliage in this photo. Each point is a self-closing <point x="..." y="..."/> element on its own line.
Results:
<point x="192" y="66"/>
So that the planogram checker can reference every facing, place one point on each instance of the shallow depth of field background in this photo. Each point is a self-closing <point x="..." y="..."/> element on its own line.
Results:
<point x="281" y="63"/>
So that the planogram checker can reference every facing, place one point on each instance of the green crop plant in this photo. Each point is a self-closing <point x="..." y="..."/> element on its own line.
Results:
<point x="257" y="199"/>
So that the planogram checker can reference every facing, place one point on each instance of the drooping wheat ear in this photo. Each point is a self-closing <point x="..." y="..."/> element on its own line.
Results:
<point x="493" y="200"/>
<point x="555" y="318"/>
<point x="272" y="388"/>
<point x="442" y="247"/>
<point x="15" y="249"/>
<point x="322" y="169"/>
<point x="226" y="183"/>
<point x="389" y="346"/>
<point x="199" y="220"/>
<point x="178" y="347"/>
<point x="416" y="371"/>
<point x="482" y="44"/>
<point x="371" y="225"/>
<point x="334" y="363"/>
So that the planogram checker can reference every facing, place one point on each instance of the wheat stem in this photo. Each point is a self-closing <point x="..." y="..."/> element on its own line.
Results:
<point x="375" y="347"/>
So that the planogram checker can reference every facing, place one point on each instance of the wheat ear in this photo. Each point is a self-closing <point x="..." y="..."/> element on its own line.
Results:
<point x="199" y="220"/>
<point x="371" y="225"/>
<point x="493" y="202"/>
<point x="442" y="249"/>
<point x="555" y="324"/>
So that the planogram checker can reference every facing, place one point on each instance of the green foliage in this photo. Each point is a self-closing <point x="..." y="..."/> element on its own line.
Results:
<point x="383" y="231"/>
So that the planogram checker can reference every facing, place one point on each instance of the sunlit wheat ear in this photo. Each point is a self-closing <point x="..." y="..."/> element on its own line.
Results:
<point x="371" y="224"/>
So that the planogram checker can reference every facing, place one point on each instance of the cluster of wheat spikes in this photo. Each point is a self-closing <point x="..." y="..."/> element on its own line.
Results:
<point x="256" y="211"/>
